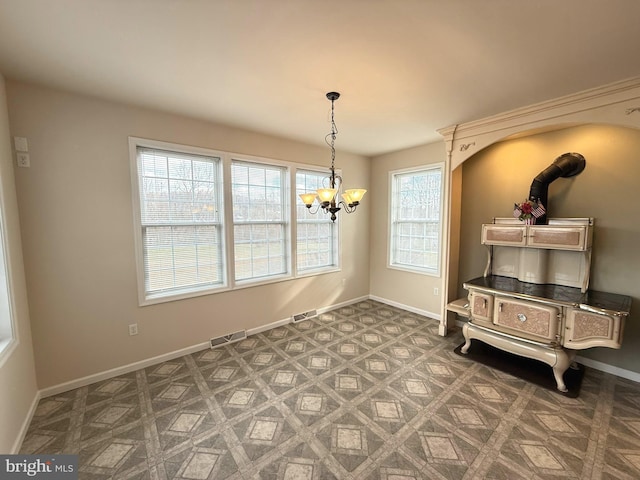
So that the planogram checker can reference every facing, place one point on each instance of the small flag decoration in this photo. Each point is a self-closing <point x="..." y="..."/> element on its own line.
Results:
<point x="538" y="211"/>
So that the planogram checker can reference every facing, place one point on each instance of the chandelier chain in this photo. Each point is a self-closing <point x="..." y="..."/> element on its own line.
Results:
<point x="332" y="136"/>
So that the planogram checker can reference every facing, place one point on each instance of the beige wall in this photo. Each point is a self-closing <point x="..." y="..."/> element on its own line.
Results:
<point x="607" y="190"/>
<point x="410" y="289"/>
<point x="17" y="374"/>
<point x="78" y="239"/>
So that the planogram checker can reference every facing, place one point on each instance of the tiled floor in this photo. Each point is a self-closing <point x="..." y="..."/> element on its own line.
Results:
<point x="366" y="391"/>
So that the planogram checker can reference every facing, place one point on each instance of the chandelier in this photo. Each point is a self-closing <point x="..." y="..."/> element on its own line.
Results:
<point x="327" y="196"/>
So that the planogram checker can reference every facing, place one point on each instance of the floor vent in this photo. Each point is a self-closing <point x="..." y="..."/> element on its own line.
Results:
<point x="227" y="339"/>
<point x="299" y="317"/>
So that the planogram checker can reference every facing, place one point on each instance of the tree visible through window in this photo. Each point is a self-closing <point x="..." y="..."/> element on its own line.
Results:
<point x="259" y="225"/>
<point x="180" y="218"/>
<point x="416" y="205"/>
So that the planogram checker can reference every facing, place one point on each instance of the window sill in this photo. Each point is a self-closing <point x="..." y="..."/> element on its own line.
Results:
<point x="419" y="271"/>
<point x="183" y="295"/>
<point x="7" y="345"/>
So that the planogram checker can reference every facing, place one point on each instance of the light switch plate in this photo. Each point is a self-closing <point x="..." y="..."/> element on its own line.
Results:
<point x="21" y="144"/>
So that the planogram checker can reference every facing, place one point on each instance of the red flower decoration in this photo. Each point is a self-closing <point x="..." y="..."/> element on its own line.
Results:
<point x="528" y="209"/>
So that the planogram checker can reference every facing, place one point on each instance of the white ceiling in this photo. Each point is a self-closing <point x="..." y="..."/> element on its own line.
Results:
<point x="404" y="67"/>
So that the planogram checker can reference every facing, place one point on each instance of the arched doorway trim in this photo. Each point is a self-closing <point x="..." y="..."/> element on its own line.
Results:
<point x="616" y="103"/>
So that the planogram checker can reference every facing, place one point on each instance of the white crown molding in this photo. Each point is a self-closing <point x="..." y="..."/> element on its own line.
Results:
<point x="617" y="103"/>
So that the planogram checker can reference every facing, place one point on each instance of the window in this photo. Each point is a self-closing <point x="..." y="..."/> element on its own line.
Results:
<point x="209" y="221"/>
<point x="259" y="220"/>
<point x="6" y="311"/>
<point x="317" y="235"/>
<point x="416" y="212"/>
<point x="180" y="221"/>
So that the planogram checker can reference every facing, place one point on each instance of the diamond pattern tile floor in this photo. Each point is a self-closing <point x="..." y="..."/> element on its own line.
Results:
<point x="365" y="391"/>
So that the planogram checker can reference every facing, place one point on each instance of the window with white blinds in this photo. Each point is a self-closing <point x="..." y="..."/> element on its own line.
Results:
<point x="416" y="218"/>
<point x="210" y="221"/>
<point x="317" y="235"/>
<point x="180" y="220"/>
<point x="260" y="225"/>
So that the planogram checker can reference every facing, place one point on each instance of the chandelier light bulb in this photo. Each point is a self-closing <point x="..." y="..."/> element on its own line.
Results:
<point x="355" y="194"/>
<point x="308" y="198"/>
<point x="327" y="194"/>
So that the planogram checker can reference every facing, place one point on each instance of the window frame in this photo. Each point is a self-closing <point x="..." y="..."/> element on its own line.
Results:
<point x="226" y="158"/>
<point x="145" y="298"/>
<point x="8" y="331"/>
<point x="335" y="227"/>
<point x="393" y="175"/>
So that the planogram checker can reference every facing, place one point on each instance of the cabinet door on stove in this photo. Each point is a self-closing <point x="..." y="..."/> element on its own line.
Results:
<point x="510" y="235"/>
<point x="589" y="329"/>
<point x="559" y="238"/>
<point x="481" y="306"/>
<point x="527" y="319"/>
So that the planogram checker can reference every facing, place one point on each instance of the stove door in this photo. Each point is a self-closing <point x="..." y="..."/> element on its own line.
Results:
<point x="526" y="319"/>
<point x="590" y="329"/>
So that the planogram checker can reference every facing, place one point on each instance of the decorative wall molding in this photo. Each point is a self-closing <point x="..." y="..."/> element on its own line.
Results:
<point x="465" y="146"/>
<point x="615" y="103"/>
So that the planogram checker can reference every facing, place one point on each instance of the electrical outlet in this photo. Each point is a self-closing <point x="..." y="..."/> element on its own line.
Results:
<point x="133" y="329"/>
<point x="436" y="291"/>
<point x="23" y="159"/>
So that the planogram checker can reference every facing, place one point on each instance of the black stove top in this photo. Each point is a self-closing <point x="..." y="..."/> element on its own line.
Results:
<point x="557" y="293"/>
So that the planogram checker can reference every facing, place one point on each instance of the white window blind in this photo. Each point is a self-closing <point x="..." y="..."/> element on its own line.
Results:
<point x="259" y="220"/>
<point x="180" y="210"/>
<point x="416" y="203"/>
<point x="317" y="235"/>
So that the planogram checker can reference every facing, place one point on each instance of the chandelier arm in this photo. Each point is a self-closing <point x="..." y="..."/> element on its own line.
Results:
<point x="348" y="208"/>
<point x="313" y="211"/>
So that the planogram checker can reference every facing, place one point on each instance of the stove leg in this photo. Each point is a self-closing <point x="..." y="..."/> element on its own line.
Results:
<point x="467" y="338"/>
<point x="564" y="358"/>
<point x="558" y="374"/>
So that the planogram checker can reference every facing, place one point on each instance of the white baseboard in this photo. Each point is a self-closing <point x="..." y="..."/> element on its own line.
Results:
<point x="343" y="304"/>
<point x="285" y="321"/>
<point x="409" y="308"/>
<point x="114" y="372"/>
<point x="25" y="424"/>
<point x="268" y="326"/>
<point x="605" y="367"/>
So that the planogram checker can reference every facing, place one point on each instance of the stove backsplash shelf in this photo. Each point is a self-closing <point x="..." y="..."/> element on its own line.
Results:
<point x="557" y="253"/>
